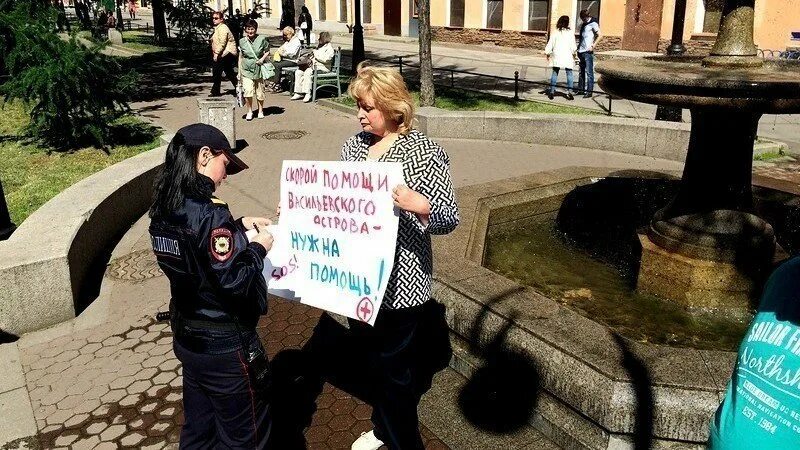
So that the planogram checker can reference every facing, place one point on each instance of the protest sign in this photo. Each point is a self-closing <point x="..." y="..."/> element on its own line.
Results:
<point x="340" y="225"/>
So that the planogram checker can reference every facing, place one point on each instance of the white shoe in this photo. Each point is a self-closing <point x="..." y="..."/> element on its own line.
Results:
<point x="367" y="441"/>
<point x="249" y="116"/>
<point x="307" y="98"/>
<point x="260" y="114"/>
<point x="297" y="96"/>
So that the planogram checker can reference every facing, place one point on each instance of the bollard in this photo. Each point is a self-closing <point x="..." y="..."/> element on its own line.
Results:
<point x="516" y="85"/>
<point x="6" y="226"/>
<point x="400" y="60"/>
<point x="221" y="113"/>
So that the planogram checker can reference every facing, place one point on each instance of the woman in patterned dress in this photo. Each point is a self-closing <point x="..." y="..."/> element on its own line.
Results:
<point x="427" y="201"/>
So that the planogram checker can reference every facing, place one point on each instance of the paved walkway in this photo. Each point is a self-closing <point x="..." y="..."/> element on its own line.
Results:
<point x="109" y="379"/>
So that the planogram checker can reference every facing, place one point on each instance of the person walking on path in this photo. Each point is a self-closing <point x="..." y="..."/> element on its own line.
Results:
<point x="305" y="23"/>
<point x="589" y="36"/>
<point x="253" y="67"/>
<point x="218" y="293"/>
<point x="321" y="61"/>
<point x="132" y="9"/>
<point x="761" y="403"/>
<point x="223" y="52"/>
<point x="560" y="51"/>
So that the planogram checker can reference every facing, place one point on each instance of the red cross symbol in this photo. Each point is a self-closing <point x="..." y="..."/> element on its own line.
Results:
<point x="364" y="309"/>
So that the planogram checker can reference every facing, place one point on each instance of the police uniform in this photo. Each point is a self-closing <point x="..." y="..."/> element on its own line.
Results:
<point x="217" y="295"/>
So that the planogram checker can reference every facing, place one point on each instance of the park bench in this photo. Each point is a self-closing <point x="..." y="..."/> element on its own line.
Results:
<point x="324" y="79"/>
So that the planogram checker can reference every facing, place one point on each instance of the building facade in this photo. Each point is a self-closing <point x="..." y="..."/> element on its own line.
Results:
<point x="640" y="25"/>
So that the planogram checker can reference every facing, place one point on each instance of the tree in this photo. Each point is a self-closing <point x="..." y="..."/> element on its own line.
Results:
<point x="64" y="115"/>
<point x="159" y="21"/>
<point x="192" y="20"/>
<point x="427" y="96"/>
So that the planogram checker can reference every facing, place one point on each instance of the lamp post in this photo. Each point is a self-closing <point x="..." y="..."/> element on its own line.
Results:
<point x="676" y="48"/>
<point x="6" y="226"/>
<point x="358" y="35"/>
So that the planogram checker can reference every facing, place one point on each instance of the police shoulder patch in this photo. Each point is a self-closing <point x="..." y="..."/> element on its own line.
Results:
<point x="221" y="244"/>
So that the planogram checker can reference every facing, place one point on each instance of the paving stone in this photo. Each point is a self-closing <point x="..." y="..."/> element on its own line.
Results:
<point x="112" y="341"/>
<point x="86" y="444"/>
<point x="66" y="439"/>
<point x="112" y="432"/>
<point x="171" y="364"/>
<point x="163" y="378"/>
<point x="96" y="428"/>
<point x="90" y="348"/>
<point x="130" y="400"/>
<point x="86" y="406"/>
<point x="132" y="439"/>
<point x="76" y="420"/>
<point x="114" y="396"/>
<point x="139" y="386"/>
<point x="59" y="417"/>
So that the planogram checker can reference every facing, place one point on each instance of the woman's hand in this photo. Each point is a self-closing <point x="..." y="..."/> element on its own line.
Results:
<point x="410" y="200"/>
<point x="264" y="238"/>
<point x="253" y="222"/>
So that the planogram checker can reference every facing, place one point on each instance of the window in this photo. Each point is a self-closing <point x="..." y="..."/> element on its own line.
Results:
<point x="494" y="14"/>
<point x="593" y="6"/>
<point x="538" y="13"/>
<point x="343" y="11"/>
<point x="712" y="16"/>
<point x="366" y="11"/>
<point x="456" y="13"/>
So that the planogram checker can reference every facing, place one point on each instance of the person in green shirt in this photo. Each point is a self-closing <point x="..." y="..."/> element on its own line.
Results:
<point x="253" y="67"/>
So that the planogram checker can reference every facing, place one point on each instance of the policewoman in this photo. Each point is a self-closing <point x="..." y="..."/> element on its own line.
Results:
<point x="217" y="293"/>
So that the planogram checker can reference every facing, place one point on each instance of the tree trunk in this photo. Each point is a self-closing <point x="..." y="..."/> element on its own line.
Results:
<point x="426" y="92"/>
<point x="159" y="21"/>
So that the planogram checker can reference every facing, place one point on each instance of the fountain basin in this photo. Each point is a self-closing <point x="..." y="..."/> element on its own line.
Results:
<point x="591" y="380"/>
<point x="682" y="81"/>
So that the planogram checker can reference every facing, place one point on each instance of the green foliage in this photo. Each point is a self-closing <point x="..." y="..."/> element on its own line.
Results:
<point x="73" y="91"/>
<point x="192" y="18"/>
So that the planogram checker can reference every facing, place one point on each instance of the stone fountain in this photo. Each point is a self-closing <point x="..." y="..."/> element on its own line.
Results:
<point x="707" y="249"/>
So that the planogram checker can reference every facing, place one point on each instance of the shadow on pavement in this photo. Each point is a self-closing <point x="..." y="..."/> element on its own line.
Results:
<point x="501" y="395"/>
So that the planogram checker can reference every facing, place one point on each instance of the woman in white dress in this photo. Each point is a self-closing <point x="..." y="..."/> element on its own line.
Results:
<point x="560" y="51"/>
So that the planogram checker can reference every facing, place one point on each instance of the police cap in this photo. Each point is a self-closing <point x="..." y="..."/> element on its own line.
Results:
<point x="201" y="134"/>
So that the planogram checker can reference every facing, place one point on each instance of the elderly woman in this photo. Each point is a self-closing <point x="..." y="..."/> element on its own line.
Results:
<point x="427" y="202"/>
<point x="321" y="61"/>
<point x="253" y="67"/>
<point x="287" y="54"/>
<point x="560" y="51"/>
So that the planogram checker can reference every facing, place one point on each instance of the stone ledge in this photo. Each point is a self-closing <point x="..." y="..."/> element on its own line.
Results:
<point x="47" y="260"/>
<point x="581" y="365"/>
<point x="643" y="137"/>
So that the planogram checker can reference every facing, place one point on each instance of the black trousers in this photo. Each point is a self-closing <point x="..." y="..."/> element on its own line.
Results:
<point x="280" y="65"/>
<point x="398" y="385"/>
<point x="223" y="64"/>
<point x="220" y="407"/>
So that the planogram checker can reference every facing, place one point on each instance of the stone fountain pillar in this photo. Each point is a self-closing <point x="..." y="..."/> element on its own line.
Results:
<point x="707" y="249"/>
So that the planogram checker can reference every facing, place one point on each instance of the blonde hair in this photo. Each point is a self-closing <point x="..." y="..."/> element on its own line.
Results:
<point x="288" y="32"/>
<point x="388" y="91"/>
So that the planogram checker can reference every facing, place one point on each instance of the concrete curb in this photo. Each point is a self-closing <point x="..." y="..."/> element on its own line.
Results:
<point x="48" y="259"/>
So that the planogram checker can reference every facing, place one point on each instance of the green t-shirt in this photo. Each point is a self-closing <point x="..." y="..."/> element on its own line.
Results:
<point x="252" y="51"/>
<point x="761" y="409"/>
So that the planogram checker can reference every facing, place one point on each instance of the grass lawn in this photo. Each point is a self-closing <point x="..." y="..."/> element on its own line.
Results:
<point x="141" y="42"/>
<point x="463" y="100"/>
<point x="32" y="175"/>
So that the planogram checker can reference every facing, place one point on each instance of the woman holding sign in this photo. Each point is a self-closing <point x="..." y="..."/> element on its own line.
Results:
<point x="218" y="292"/>
<point x="428" y="206"/>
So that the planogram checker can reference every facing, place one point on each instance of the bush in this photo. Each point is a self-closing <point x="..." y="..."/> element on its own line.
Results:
<point x="74" y="91"/>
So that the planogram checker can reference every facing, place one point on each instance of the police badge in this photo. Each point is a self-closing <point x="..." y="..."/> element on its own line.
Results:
<point x="221" y="244"/>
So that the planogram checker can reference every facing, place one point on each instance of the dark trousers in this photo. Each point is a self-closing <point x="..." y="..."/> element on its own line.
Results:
<point x="220" y="407"/>
<point x="586" y="72"/>
<point x="223" y="64"/>
<point x="280" y="65"/>
<point x="398" y="386"/>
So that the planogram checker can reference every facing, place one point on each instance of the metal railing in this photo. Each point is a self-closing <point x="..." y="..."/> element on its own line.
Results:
<point x="450" y="74"/>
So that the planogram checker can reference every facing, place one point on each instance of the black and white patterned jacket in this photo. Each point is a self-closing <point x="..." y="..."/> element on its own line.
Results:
<point x="426" y="169"/>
